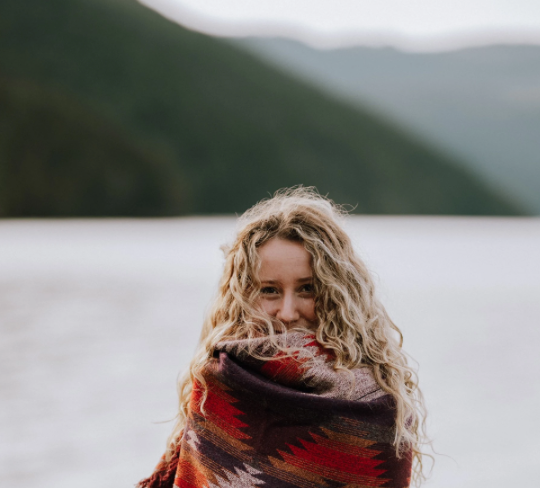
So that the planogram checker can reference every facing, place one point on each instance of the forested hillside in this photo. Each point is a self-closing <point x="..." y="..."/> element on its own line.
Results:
<point x="480" y="104"/>
<point x="109" y="109"/>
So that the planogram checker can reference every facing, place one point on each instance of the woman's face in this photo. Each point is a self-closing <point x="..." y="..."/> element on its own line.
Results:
<point x="287" y="291"/>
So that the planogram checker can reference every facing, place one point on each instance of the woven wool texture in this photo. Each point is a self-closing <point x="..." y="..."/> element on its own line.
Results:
<point x="285" y="419"/>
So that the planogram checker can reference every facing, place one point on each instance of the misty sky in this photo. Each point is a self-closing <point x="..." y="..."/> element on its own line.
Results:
<point x="414" y="24"/>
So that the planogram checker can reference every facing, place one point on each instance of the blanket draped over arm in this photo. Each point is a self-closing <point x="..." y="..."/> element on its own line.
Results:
<point x="292" y="421"/>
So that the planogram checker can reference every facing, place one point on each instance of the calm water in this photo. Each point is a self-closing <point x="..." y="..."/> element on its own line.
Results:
<point x="98" y="317"/>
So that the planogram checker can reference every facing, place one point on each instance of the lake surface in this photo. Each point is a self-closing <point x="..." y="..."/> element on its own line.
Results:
<point x="97" y="318"/>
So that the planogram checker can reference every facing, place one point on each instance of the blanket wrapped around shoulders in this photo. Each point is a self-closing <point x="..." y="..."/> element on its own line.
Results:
<point x="291" y="421"/>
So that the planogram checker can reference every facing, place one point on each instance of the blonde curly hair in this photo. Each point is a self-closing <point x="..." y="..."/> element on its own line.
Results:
<point x="351" y="321"/>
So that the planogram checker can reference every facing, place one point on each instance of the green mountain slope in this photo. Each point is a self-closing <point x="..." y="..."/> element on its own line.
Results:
<point x="481" y="104"/>
<point x="229" y="128"/>
<point x="59" y="158"/>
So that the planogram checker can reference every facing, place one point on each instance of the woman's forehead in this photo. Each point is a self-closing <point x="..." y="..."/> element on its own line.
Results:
<point x="280" y="256"/>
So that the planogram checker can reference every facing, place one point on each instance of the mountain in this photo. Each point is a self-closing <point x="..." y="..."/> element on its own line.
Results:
<point x="180" y="123"/>
<point x="59" y="158"/>
<point x="481" y="105"/>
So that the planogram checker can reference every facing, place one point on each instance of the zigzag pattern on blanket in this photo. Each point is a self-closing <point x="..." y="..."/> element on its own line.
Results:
<point x="259" y="433"/>
<point x="287" y="423"/>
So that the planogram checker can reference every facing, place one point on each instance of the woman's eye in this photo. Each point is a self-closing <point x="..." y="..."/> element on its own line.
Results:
<point x="309" y="288"/>
<point x="268" y="290"/>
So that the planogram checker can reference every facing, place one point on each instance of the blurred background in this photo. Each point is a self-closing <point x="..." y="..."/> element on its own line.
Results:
<point x="171" y="117"/>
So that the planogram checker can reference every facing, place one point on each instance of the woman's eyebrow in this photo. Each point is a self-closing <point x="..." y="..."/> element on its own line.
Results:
<point x="299" y="280"/>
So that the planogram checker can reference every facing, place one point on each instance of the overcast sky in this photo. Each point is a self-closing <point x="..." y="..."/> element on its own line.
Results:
<point x="409" y="24"/>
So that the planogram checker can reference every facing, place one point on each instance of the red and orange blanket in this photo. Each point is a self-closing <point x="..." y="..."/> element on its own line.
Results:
<point x="291" y="421"/>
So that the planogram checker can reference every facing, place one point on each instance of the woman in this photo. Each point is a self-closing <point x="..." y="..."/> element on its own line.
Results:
<point x="299" y="379"/>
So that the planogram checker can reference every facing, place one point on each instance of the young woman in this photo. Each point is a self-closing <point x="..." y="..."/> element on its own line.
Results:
<point x="299" y="379"/>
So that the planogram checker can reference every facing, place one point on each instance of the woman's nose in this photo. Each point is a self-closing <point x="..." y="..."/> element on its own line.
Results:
<point x="288" y="311"/>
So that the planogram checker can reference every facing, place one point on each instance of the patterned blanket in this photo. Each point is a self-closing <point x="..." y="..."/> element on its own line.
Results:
<point x="292" y="421"/>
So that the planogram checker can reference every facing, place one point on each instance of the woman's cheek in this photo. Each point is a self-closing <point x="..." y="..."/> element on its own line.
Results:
<point x="268" y="307"/>
<point x="310" y="313"/>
